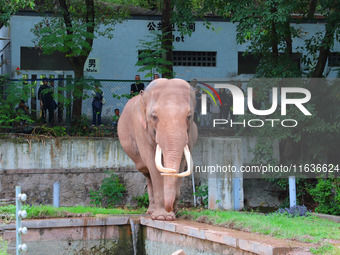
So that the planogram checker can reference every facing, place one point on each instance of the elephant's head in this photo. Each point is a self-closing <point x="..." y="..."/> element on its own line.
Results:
<point x="167" y="115"/>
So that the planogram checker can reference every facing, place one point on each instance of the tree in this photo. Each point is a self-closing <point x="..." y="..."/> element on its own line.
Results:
<point x="266" y="25"/>
<point x="72" y="29"/>
<point x="9" y="7"/>
<point x="174" y="13"/>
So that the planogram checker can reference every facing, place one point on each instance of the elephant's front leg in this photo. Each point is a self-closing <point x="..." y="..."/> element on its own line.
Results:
<point x="159" y="212"/>
<point x="178" y="194"/>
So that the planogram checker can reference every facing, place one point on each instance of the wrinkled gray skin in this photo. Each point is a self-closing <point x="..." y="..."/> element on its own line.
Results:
<point x="163" y="115"/>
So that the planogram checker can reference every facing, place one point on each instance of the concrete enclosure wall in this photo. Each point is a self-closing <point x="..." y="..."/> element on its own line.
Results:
<point x="78" y="164"/>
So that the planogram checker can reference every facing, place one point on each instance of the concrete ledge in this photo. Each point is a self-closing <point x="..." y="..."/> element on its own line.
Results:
<point x="250" y="242"/>
<point x="243" y="242"/>
<point x="71" y="222"/>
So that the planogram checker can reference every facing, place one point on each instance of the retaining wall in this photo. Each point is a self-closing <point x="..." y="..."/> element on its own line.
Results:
<point x="113" y="235"/>
<point x="78" y="164"/>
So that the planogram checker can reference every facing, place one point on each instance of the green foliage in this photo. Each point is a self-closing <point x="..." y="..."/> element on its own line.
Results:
<point x="151" y="55"/>
<point x="14" y="92"/>
<point x="71" y="31"/>
<point x="327" y="194"/>
<point x="80" y="127"/>
<point x="202" y="194"/>
<point x="74" y="38"/>
<point x="142" y="200"/>
<point x="325" y="249"/>
<point x="110" y="193"/>
<point x="10" y="7"/>
<point x="56" y="131"/>
<point x="266" y="26"/>
<point x="49" y="211"/>
<point x="3" y="247"/>
<point x="128" y="96"/>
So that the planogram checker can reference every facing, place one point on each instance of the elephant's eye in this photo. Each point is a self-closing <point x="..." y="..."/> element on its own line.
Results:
<point x="154" y="117"/>
<point x="189" y="117"/>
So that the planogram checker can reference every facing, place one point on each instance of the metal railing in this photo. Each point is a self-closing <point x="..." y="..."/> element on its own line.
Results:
<point x="19" y="215"/>
<point x="116" y="94"/>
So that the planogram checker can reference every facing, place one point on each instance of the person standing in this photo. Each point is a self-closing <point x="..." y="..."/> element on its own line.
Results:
<point x="46" y="101"/>
<point x="116" y="117"/>
<point x="224" y="108"/>
<point x="230" y="105"/>
<point x="198" y="106"/>
<point x="193" y="84"/>
<point x="97" y="105"/>
<point x="136" y="87"/>
<point x="215" y="109"/>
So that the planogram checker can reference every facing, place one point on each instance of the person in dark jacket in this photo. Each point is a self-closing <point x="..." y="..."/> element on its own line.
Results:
<point x="46" y="101"/>
<point x="136" y="87"/>
<point x="97" y="105"/>
<point x="225" y="107"/>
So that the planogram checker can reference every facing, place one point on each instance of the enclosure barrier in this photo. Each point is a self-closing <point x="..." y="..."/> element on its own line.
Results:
<point x="19" y="215"/>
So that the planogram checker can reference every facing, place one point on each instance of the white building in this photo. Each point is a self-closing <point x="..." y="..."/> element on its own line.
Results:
<point x="116" y="58"/>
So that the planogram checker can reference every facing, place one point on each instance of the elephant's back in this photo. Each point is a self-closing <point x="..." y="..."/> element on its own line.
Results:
<point x="167" y="84"/>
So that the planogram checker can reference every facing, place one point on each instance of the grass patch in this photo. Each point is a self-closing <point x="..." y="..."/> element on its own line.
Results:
<point x="326" y="249"/>
<point x="47" y="211"/>
<point x="3" y="247"/>
<point x="304" y="229"/>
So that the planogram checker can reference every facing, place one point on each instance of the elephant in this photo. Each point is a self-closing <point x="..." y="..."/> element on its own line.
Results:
<point x="157" y="131"/>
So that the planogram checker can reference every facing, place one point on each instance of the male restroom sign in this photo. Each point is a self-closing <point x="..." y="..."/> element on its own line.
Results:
<point x="92" y="65"/>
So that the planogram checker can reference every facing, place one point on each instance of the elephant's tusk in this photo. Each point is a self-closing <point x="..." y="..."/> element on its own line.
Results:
<point x="190" y="164"/>
<point x="158" y="162"/>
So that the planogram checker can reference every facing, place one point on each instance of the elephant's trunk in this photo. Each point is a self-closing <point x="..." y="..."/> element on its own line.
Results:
<point x="172" y="161"/>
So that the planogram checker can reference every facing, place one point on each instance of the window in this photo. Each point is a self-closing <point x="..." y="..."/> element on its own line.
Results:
<point x="194" y="58"/>
<point x="191" y="58"/>
<point x="33" y="59"/>
<point x="334" y="59"/>
<point x="247" y="64"/>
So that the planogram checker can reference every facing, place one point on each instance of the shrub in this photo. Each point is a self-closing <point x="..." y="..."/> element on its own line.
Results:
<point x="11" y="93"/>
<point x="202" y="195"/>
<point x="327" y="194"/>
<point x="110" y="193"/>
<point x="295" y="211"/>
<point x="143" y="200"/>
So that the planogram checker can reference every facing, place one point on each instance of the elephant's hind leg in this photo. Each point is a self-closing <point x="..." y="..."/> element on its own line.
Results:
<point x="150" y="192"/>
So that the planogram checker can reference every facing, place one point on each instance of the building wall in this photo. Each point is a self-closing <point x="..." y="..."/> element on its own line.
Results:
<point x="118" y="56"/>
<point x="5" y="50"/>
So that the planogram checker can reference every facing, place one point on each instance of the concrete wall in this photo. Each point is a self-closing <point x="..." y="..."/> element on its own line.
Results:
<point x="113" y="235"/>
<point x="78" y="164"/>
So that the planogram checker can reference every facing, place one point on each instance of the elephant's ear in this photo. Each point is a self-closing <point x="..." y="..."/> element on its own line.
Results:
<point x="142" y="117"/>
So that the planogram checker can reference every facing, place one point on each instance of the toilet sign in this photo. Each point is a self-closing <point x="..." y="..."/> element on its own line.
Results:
<point x="92" y="65"/>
